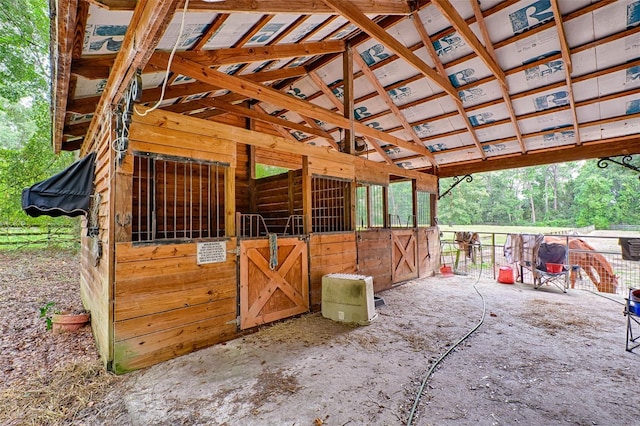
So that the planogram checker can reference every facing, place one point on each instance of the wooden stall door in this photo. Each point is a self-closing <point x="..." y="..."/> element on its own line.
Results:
<point x="268" y="295"/>
<point x="404" y="255"/>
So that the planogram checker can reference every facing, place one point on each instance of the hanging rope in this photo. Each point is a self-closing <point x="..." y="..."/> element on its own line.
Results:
<point x="273" y="251"/>
<point x="173" y="52"/>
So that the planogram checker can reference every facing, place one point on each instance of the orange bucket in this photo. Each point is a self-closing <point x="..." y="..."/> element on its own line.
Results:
<point x="505" y="276"/>
<point x="446" y="271"/>
<point x="554" y="268"/>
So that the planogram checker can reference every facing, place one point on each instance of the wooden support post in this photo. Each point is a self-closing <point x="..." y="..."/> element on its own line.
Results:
<point x="252" y="179"/>
<point x="350" y="204"/>
<point x="250" y="125"/>
<point x="306" y="196"/>
<point x="230" y="201"/>
<point x="385" y="207"/>
<point x="347" y="79"/>
<point x="433" y="201"/>
<point x="414" y="202"/>
<point x="122" y="198"/>
<point x="291" y="175"/>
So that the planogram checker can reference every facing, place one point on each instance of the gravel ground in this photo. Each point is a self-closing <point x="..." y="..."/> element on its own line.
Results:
<point x="539" y="357"/>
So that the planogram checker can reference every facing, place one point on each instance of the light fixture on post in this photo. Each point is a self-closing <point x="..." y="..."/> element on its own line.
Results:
<point x="359" y="142"/>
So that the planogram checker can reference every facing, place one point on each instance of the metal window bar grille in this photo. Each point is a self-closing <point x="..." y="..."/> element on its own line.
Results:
<point x="376" y="206"/>
<point x="252" y="225"/>
<point x="176" y="199"/>
<point x="294" y="225"/>
<point x="424" y="208"/>
<point x="362" y="198"/>
<point x="328" y="204"/>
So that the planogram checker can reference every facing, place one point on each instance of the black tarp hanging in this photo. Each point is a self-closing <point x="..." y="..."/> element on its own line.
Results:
<point x="66" y="194"/>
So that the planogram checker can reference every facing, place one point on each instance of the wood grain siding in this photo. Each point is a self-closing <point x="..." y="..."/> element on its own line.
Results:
<point x="428" y="251"/>
<point x="374" y="257"/>
<point x="95" y="273"/>
<point x="167" y="305"/>
<point x="404" y="255"/>
<point x="280" y="159"/>
<point x="243" y="179"/>
<point x="278" y="197"/>
<point x="330" y="253"/>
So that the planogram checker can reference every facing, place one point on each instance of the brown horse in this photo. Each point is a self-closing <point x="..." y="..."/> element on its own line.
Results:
<point x="466" y="241"/>
<point x="594" y="264"/>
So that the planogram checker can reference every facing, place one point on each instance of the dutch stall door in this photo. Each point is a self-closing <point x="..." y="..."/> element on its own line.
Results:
<point x="404" y="255"/>
<point x="271" y="290"/>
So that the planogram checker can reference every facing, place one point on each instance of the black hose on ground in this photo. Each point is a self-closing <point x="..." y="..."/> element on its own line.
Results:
<point x="455" y="345"/>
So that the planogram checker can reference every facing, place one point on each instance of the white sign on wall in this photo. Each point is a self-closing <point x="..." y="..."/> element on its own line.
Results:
<point x="212" y="252"/>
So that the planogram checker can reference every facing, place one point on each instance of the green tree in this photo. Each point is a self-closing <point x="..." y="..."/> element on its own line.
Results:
<point x="25" y="121"/>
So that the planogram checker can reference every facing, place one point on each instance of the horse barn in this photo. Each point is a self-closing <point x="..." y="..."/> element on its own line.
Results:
<point x="359" y="106"/>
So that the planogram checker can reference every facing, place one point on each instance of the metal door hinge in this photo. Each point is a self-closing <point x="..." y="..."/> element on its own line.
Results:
<point x="235" y="251"/>
<point x="234" y="321"/>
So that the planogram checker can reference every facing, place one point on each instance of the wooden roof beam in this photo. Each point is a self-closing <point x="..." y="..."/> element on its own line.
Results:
<point x="306" y="7"/>
<point x="566" y="57"/>
<point x="62" y="34"/>
<point x="266" y="94"/>
<point x="464" y="30"/>
<point x="150" y="19"/>
<point x="88" y="105"/>
<point x="238" y="55"/>
<point x="504" y="88"/>
<point x="393" y="107"/>
<point x="608" y="147"/>
<point x="417" y="22"/>
<point x="353" y="14"/>
<point x="99" y="67"/>
<point x="340" y="107"/>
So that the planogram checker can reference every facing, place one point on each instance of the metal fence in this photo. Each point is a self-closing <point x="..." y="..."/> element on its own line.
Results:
<point x="488" y="256"/>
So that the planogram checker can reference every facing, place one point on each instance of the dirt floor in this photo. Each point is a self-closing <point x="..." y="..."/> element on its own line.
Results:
<point x="539" y="357"/>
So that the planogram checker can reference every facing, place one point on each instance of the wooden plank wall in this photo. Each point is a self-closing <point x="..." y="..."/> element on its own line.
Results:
<point x="330" y="254"/>
<point x="164" y="303"/>
<point x="428" y="251"/>
<point x="374" y="257"/>
<point x="167" y="305"/>
<point x="277" y="197"/>
<point x="243" y="179"/>
<point x="95" y="288"/>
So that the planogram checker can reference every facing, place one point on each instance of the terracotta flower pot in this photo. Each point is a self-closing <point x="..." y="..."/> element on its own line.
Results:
<point x="68" y="322"/>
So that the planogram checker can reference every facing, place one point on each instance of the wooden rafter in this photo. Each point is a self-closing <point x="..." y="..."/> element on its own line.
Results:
<point x="566" y="57"/>
<point x="269" y="95"/>
<point x="353" y="14"/>
<point x="148" y="22"/>
<point x="504" y="88"/>
<point x="380" y="7"/>
<point x="278" y="128"/>
<point x="588" y="150"/>
<point x="465" y="31"/>
<point x="261" y="116"/>
<point x="88" y="105"/>
<point x="340" y="107"/>
<point x="210" y="31"/>
<point x="434" y="57"/>
<point x="392" y="107"/>
<point x="262" y="53"/>
<point x="99" y="67"/>
<point x="65" y="23"/>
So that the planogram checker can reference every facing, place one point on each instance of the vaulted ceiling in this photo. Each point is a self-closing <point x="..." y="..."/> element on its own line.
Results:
<point x="442" y="86"/>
